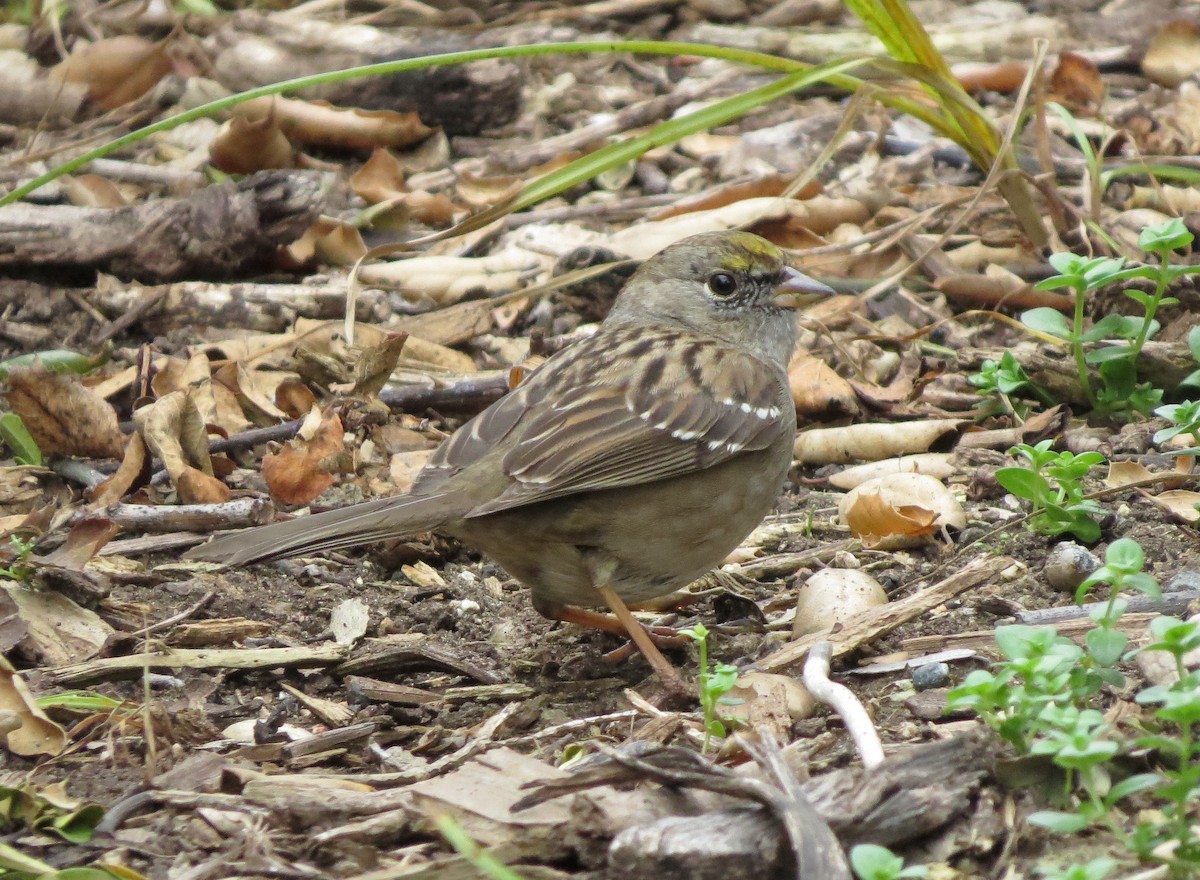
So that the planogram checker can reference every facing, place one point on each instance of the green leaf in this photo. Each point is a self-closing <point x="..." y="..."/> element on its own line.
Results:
<point x="1106" y="645"/>
<point x="1125" y="555"/>
<point x="1023" y="483"/>
<point x="56" y="361"/>
<point x="1047" y="320"/>
<point x="871" y="862"/>
<point x="1059" y="823"/>
<point x="14" y="433"/>
<point x="1170" y="235"/>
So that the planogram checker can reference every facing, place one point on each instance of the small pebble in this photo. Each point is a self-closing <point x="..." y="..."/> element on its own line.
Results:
<point x="1068" y="565"/>
<point x="931" y="675"/>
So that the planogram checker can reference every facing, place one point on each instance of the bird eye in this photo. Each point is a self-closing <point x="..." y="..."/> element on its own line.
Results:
<point x="722" y="284"/>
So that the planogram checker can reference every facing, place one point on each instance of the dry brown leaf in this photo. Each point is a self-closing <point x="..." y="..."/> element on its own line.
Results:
<point x="935" y="464"/>
<point x="37" y="734"/>
<point x="899" y="510"/>
<point x="63" y="416"/>
<point x="476" y="191"/>
<point x="319" y="123"/>
<point x="116" y="70"/>
<point x="246" y="144"/>
<point x="1076" y="82"/>
<point x="1180" y="503"/>
<point x="134" y="471"/>
<point x="1003" y="76"/>
<point x="83" y="542"/>
<point x="376" y="364"/>
<point x="1173" y="54"/>
<point x="92" y="191"/>
<point x="734" y="191"/>
<point x="818" y="390"/>
<point x="175" y="432"/>
<point x="297" y="473"/>
<point x="327" y="242"/>
<point x="870" y="442"/>
<point x="380" y="178"/>
<point x="445" y="280"/>
<point x="294" y="398"/>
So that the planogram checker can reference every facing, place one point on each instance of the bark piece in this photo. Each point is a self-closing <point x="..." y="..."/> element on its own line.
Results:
<point x="213" y="233"/>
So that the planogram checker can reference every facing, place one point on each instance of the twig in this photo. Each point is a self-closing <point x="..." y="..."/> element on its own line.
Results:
<point x="842" y="700"/>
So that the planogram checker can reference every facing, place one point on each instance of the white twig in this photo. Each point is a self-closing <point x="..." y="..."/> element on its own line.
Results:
<point x="842" y="700"/>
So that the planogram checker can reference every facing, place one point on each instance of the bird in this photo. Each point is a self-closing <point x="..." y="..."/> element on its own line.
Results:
<point x="623" y="467"/>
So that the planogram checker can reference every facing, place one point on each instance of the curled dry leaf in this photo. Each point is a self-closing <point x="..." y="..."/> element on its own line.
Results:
<point x="1180" y="503"/>
<point x="1004" y="76"/>
<point x="818" y="390"/>
<point x="899" y="510"/>
<point x="380" y="178"/>
<point x="255" y="391"/>
<point x="83" y="542"/>
<point x="62" y="416"/>
<point x="935" y="464"/>
<point x="819" y="215"/>
<point x="328" y="242"/>
<point x="36" y="734"/>
<point x="245" y="144"/>
<point x="116" y="70"/>
<point x="871" y="442"/>
<point x="833" y="596"/>
<point x="319" y="123"/>
<point x="445" y="280"/>
<point x="175" y="432"/>
<point x="1076" y="82"/>
<point x="377" y="363"/>
<point x="133" y="471"/>
<point x="1173" y="54"/>
<point x="92" y="191"/>
<point x="299" y="472"/>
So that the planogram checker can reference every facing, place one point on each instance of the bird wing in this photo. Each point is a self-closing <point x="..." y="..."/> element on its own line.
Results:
<point x="581" y="424"/>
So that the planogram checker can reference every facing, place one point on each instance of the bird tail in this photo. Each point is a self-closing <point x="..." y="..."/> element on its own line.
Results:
<point x="332" y="530"/>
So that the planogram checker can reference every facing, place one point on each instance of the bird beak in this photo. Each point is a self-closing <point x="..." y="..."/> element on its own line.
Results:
<point x="798" y="290"/>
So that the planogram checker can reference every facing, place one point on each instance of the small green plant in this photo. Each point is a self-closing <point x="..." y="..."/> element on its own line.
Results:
<point x="1005" y="380"/>
<point x="712" y="684"/>
<point x="872" y="862"/>
<point x="1177" y="784"/>
<point x="19" y="551"/>
<point x="1184" y="418"/>
<point x="1052" y="485"/>
<point x="14" y="433"/>
<point x="1122" y="570"/>
<point x="1116" y="361"/>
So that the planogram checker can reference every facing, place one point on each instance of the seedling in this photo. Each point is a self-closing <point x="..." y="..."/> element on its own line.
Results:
<point x="872" y="862"/>
<point x="1052" y="485"/>
<point x="713" y="684"/>
<point x="19" y="551"/>
<point x="1124" y="335"/>
<point x="1184" y="418"/>
<point x="1177" y="784"/>
<point x="1006" y="379"/>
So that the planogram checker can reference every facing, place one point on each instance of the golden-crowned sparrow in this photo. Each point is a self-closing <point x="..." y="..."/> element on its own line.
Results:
<point x="628" y="464"/>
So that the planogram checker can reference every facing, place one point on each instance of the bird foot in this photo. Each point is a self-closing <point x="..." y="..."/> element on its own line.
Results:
<point x="645" y="639"/>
